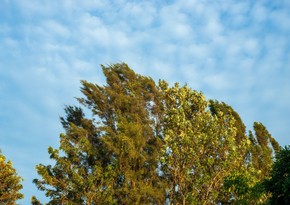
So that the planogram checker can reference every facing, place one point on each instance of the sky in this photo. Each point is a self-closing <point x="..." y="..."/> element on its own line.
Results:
<point x="233" y="51"/>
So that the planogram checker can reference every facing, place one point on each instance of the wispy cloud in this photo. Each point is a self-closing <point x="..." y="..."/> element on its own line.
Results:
<point x="237" y="52"/>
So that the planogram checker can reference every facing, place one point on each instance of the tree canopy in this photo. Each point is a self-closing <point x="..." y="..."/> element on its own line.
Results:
<point x="152" y="143"/>
<point x="10" y="183"/>
<point x="279" y="183"/>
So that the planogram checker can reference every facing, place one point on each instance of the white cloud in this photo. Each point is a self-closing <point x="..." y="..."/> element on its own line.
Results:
<point x="71" y="5"/>
<point x="10" y="43"/>
<point x="259" y="13"/>
<point x="56" y="28"/>
<point x="251" y="47"/>
<point x="213" y="27"/>
<point x="93" y="30"/>
<point x="32" y="8"/>
<point x="217" y="82"/>
<point x="233" y="51"/>
<point x="280" y="20"/>
<point x="198" y="51"/>
<point x="4" y="29"/>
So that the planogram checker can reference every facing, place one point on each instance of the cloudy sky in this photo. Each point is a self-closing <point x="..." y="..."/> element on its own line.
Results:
<point x="233" y="51"/>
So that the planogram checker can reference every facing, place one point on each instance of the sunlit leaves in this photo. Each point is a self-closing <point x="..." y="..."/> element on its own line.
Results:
<point x="200" y="148"/>
<point x="154" y="144"/>
<point x="10" y="183"/>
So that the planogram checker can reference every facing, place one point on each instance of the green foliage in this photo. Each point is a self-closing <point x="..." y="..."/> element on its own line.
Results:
<point x="154" y="144"/>
<point x="244" y="188"/>
<point x="10" y="183"/>
<point x="112" y="159"/>
<point x="35" y="201"/>
<point x="263" y="150"/>
<point x="279" y="183"/>
<point x="216" y="106"/>
<point x="128" y="109"/>
<point x="79" y="175"/>
<point x="200" y="148"/>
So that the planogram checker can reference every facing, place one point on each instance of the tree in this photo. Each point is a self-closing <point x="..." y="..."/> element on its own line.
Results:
<point x="279" y="183"/>
<point x="246" y="186"/>
<point x="152" y="144"/>
<point x="112" y="158"/>
<point x="128" y="109"/>
<point x="80" y="174"/>
<point x="264" y="148"/>
<point x="200" y="149"/>
<point x="239" y="185"/>
<point x="10" y="183"/>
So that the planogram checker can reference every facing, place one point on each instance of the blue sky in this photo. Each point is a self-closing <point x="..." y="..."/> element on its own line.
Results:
<point x="233" y="51"/>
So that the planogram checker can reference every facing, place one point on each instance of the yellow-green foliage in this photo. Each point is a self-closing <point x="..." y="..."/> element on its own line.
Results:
<point x="154" y="144"/>
<point x="200" y="148"/>
<point x="10" y="183"/>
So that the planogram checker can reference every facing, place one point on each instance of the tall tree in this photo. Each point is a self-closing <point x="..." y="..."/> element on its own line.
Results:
<point x="10" y="183"/>
<point x="112" y="158"/>
<point x="246" y="185"/>
<point x="200" y="147"/>
<point x="263" y="150"/>
<point x="128" y="109"/>
<point x="81" y="174"/>
<point x="237" y="185"/>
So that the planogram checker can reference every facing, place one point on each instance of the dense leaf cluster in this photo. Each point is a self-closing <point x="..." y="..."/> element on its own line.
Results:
<point x="279" y="183"/>
<point x="149" y="143"/>
<point x="10" y="183"/>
